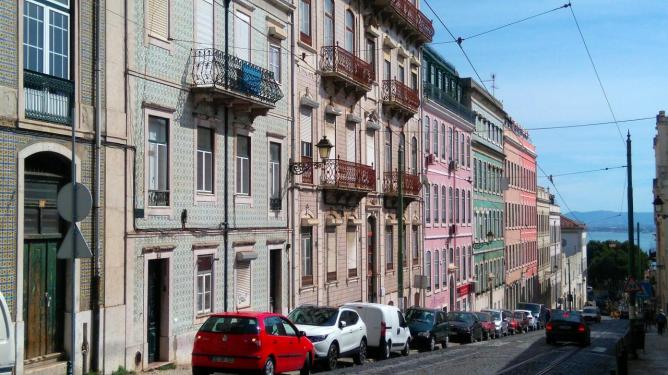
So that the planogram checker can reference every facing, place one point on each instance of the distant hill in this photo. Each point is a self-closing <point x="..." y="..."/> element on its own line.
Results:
<point x="612" y="221"/>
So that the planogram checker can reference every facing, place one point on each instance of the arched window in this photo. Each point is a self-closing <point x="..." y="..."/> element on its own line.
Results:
<point x="427" y="271"/>
<point x="414" y="155"/>
<point x="427" y="134"/>
<point x="350" y="32"/>
<point x="328" y="35"/>
<point x="437" y="270"/>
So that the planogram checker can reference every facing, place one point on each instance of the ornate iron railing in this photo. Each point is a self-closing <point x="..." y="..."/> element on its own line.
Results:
<point x="411" y="185"/>
<point x="414" y="17"/>
<point x="336" y="59"/>
<point x="443" y="98"/>
<point x="395" y="91"/>
<point x="243" y="77"/>
<point x="158" y="198"/>
<point x="47" y="98"/>
<point x="307" y="176"/>
<point x="346" y="174"/>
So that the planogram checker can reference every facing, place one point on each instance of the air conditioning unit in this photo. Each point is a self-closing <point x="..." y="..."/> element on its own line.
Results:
<point x="453" y="165"/>
<point x="430" y="159"/>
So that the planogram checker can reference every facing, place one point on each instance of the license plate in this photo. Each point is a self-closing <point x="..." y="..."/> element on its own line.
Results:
<point x="222" y="359"/>
<point x="564" y="327"/>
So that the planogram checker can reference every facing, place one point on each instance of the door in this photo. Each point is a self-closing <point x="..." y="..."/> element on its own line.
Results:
<point x="154" y="308"/>
<point x="372" y="287"/>
<point x="275" y="284"/>
<point x="279" y="343"/>
<point x="441" y="331"/>
<point x="347" y="335"/>
<point x="402" y="329"/>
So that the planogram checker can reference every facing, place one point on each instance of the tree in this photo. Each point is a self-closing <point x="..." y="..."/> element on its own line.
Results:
<point x="607" y="264"/>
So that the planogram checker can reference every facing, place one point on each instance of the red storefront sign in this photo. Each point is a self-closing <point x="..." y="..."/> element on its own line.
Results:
<point x="463" y="290"/>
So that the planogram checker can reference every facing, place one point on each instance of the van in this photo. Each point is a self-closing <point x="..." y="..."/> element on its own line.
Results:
<point x="6" y="339"/>
<point x="537" y="311"/>
<point x="386" y="327"/>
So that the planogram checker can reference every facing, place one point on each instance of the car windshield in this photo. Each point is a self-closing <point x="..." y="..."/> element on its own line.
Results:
<point x="590" y="310"/>
<point x="314" y="316"/>
<point x="496" y="315"/>
<point x="414" y="315"/>
<point x="485" y="317"/>
<point x="230" y="325"/>
<point x="459" y="317"/>
<point x="568" y="316"/>
<point x="534" y="308"/>
<point x="518" y="315"/>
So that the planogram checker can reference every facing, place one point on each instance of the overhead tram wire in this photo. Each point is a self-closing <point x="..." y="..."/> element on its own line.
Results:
<point x="459" y="43"/>
<point x="598" y="77"/>
<point x="615" y="122"/>
<point x="558" y="193"/>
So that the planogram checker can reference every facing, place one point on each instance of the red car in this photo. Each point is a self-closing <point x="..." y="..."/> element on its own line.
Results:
<point x="488" y="326"/>
<point x="250" y="341"/>
<point x="514" y="325"/>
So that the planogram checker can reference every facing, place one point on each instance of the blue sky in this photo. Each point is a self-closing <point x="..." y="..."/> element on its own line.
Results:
<point x="545" y="78"/>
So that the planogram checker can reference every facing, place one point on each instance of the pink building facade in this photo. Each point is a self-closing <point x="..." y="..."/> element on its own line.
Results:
<point x="447" y="128"/>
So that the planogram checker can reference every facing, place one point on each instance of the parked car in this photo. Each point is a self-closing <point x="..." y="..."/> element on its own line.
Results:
<point x="522" y="318"/>
<point x="250" y="341"/>
<point x="488" y="327"/>
<point x="387" y="330"/>
<point x="537" y="310"/>
<point x="334" y="332"/>
<point x="567" y="326"/>
<point x="429" y="327"/>
<point x="514" y="325"/>
<point x="465" y="326"/>
<point x="6" y="339"/>
<point x="591" y="314"/>
<point x="533" y="321"/>
<point x="500" y="324"/>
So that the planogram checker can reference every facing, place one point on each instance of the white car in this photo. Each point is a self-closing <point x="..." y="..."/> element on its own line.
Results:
<point x="334" y="332"/>
<point x="533" y="322"/>
<point x="6" y="339"/>
<point x="387" y="329"/>
<point x="500" y="325"/>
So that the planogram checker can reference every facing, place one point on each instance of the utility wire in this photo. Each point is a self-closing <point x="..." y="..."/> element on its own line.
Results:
<point x="559" y="194"/>
<point x="616" y="122"/>
<point x="550" y="177"/>
<point x="598" y="77"/>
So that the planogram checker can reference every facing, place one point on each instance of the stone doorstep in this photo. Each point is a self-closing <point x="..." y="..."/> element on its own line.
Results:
<point x="46" y="368"/>
<point x="156" y="365"/>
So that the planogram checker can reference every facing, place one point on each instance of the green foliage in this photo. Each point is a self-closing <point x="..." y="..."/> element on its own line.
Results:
<point x="607" y="264"/>
<point x="169" y="366"/>
<point x="122" y="371"/>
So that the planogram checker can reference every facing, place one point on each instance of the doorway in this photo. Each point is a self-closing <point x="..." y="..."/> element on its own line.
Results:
<point x="275" y="281"/>
<point x="372" y="287"/>
<point x="157" y="309"/>
<point x="43" y="274"/>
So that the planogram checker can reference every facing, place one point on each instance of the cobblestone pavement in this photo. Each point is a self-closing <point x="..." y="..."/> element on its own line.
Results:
<point x="513" y="355"/>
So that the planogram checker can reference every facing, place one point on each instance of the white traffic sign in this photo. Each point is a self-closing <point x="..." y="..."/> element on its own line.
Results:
<point x="74" y="245"/>
<point x="83" y="199"/>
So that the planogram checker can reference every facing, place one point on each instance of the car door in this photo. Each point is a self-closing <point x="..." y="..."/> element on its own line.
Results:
<point x="357" y="329"/>
<point x="403" y="331"/>
<point x="279" y="343"/>
<point x="346" y="331"/>
<point x="441" y="329"/>
<point x="477" y="326"/>
<point x="295" y="353"/>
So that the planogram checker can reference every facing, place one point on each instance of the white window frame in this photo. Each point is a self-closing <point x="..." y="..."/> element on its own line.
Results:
<point x="166" y="210"/>
<point x="353" y="254"/>
<point x="203" y="195"/>
<point x="391" y="250"/>
<point x="301" y="258"/>
<point x="243" y="198"/>
<point x="46" y="67"/>
<point x="280" y="141"/>
<point x="207" y="251"/>
<point x="243" y="52"/>
<point x="275" y="67"/>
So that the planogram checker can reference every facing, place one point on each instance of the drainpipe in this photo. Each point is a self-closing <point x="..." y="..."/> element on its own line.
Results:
<point x="95" y="328"/>
<point x="292" y="267"/>
<point x="225" y="163"/>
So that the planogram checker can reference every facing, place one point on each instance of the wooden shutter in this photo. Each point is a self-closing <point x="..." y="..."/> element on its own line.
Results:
<point x="351" y="242"/>
<point x="158" y="18"/>
<point x="370" y="149"/>
<point x="204" y="24"/>
<point x="350" y="143"/>
<point x="243" y="283"/>
<point x="305" y="124"/>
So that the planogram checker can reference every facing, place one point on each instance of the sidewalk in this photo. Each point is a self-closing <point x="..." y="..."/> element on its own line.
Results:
<point x="654" y="360"/>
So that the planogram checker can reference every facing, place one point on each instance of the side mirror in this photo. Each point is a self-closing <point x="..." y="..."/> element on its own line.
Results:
<point x="342" y="324"/>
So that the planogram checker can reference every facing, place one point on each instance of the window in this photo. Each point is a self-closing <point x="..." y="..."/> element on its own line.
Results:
<point x="275" y="176"/>
<point x="389" y="248"/>
<point x="371" y="54"/>
<point x="330" y="251"/>
<point x="388" y="70"/>
<point x="462" y="158"/>
<point x="469" y="206"/>
<point x="415" y="245"/>
<point x="243" y="164"/>
<point x="443" y="201"/>
<point x="204" y="23"/>
<point x="328" y="32"/>
<point x="205" y="160"/>
<point x="275" y="62"/>
<point x="443" y="140"/>
<point x="427" y="204"/>
<point x="458" y="273"/>
<point x="158" y="161"/>
<point x="305" y="21"/>
<point x="437" y="270"/>
<point x="401" y="71"/>
<point x="388" y="150"/>
<point x="351" y="245"/>
<point x="46" y="36"/>
<point x="307" y="255"/>
<point x="451" y="205"/>
<point x="204" y="283"/>
<point x="456" y="142"/>
<point x="435" y="187"/>
<point x="242" y="35"/>
<point x="427" y="137"/>
<point x="414" y="155"/>
<point x="457" y="205"/>
<point x="349" y="41"/>
<point x="435" y="139"/>
<point x="158" y="18"/>
<point x="427" y="268"/>
<point x="468" y="151"/>
<point x="444" y="267"/>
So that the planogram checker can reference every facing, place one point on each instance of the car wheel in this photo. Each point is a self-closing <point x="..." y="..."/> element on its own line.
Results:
<point x="332" y="357"/>
<point x="444" y="343"/>
<point x="269" y="367"/>
<point x="385" y="350"/>
<point x="407" y="349"/>
<point x="432" y="344"/>
<point x="200" y="371"/>
<point x="307" y="366"/>
<point x="360" y="357"/>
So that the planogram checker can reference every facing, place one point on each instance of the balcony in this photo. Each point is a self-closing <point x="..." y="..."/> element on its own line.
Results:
<point x="441" y="97"/>
<point x="408" y="18"/>
<point x="400" y="99"/>
<point x="47" y="98"/>
<point x="345" y="70"/>
<point x="246" y="85"/>
<point x="345" y="182"/>
<point x="411" y="188"/>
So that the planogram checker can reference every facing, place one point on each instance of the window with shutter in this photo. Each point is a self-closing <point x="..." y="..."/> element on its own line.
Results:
<point x="351" y="143"/>
<point x="330" y="243"/>
<point x="351" y="245"/>
<point x="158" y="18"/>
<point x="370" y="148"/>
<point x="243" y="284"/>
<point x="389" y="248"/>
<point x="204" y="23"/>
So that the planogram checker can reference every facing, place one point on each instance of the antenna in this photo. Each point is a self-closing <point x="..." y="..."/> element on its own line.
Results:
<point x="493" y="86"/>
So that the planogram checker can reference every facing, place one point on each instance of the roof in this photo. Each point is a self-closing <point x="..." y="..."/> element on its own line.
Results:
<point x="568" y="223"/>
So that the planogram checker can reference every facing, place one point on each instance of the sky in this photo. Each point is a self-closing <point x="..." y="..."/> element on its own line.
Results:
<point x="544" y="78"/>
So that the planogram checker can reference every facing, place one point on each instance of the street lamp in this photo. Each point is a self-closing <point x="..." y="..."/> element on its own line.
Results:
<point x="489" y="237"/>
<point x="324" y="148"/>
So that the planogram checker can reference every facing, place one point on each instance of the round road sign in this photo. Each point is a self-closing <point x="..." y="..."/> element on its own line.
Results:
<point x="74" y="212"/>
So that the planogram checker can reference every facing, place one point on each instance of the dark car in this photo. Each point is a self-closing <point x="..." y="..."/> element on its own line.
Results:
<point x="464" y="326"/>
<point x="567" y="326"/>
<point x="429" y="327"/>
<point x="488" y="326"/>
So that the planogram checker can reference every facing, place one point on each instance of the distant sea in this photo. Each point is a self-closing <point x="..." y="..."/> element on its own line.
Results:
<point x="647" y="239"/>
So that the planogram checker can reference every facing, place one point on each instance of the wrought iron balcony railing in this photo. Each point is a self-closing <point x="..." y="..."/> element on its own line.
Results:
<point x="348" y="175"/>
<point x="411" y="184"/>
<point x="446" y="100"/>
<point x="335" y="59"/>
<point x="243" y="77"/>
<point x="307" y="176"/>
<point x="158" y="198"/>
<point x="396" y="92"/>
<point x="47" y="98"/>
<point x="413" y="16"/>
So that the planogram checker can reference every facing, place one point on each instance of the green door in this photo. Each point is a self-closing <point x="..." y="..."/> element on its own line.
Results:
<point x="153" y="309"/>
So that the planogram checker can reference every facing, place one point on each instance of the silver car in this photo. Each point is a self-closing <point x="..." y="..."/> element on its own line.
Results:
<point x="500" y="323"/>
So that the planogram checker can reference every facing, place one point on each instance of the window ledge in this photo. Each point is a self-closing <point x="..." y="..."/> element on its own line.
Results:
<point x="307" y="288"/>
<point x="306" y="46"/>
<point x="205" y="197"/>
<point x="243" y="199"/>
<point x="158" y="211"/>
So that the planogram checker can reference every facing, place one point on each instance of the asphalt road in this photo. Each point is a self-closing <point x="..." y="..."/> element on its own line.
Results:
<point x="519" y="354"/>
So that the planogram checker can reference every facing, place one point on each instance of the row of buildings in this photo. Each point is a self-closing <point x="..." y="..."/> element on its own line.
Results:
<point x="252" y="154"/>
